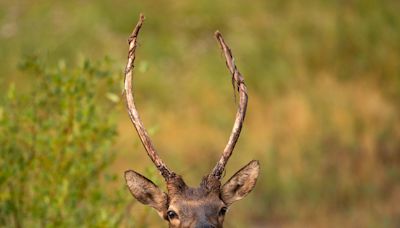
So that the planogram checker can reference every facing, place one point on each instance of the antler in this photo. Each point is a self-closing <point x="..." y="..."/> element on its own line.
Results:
<point x="133" y="113"/>
<point x="238" y="81"/>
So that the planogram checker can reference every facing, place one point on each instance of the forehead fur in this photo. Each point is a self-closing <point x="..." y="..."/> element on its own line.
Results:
<point x="199" y="202"/>
<point x="176" y="186"/>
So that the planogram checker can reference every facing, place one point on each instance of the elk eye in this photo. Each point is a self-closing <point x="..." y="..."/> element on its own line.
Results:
<point x="171" y="215"/>
<point x="223" y="211"/>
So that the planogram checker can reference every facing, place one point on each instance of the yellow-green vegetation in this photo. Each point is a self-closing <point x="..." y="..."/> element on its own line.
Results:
<point x="323" y="115"/>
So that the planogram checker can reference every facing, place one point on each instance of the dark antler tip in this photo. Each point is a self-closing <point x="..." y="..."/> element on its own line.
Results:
<point x="142" y="17"/>
<point x="136" y="30"/>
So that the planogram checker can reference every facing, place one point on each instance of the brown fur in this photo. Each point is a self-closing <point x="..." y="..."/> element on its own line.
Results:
<point x="183" y="206"/>
<point x="194" y="207"/>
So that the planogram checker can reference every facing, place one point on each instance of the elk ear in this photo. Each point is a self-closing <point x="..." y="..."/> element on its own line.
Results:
<point x="241" y="183"/>
<point x="145" y="191"/>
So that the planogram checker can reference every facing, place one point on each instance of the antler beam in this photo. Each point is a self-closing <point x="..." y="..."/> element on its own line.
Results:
<point x="132" y="111"/>
<point x="238" y="81"/>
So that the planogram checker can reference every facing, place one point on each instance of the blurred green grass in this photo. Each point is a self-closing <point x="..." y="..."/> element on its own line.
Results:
<point x="324" y="84"/>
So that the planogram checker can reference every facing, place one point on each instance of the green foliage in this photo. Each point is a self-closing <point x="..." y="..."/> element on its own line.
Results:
<point x="55" y="142"/>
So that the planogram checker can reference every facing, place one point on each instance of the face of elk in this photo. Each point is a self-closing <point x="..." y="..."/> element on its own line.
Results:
<point x="184" y="206"/>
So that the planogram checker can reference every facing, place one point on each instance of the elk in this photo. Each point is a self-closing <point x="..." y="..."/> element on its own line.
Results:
<point x="183" y="206"/>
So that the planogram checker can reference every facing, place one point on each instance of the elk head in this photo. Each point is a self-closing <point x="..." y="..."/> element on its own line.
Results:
<point x="184" y="206"/>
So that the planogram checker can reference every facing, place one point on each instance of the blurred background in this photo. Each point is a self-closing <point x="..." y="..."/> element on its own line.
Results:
<point x="323" y="115"/>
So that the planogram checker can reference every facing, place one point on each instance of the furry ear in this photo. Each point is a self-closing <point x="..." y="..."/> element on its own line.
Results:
<point x="241" y="183"/>
<point x="145" y="191"/>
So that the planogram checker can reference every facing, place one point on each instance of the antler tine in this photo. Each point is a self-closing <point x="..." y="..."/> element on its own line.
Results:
<point x="133" y="113"/>
<point x="237" y="78"/>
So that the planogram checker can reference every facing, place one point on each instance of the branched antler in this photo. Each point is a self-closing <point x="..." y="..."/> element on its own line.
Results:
<point x="133" y="113"/>
<point x="238" y="81"/>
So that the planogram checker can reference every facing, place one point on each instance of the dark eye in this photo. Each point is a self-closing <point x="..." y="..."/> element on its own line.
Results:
<point x="223" y="211"/>
<point x="171" y="215"/>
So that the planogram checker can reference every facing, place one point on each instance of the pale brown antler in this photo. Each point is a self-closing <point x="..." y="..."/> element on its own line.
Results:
<point x="133" y="113"/>
<point x="238" y="81"/>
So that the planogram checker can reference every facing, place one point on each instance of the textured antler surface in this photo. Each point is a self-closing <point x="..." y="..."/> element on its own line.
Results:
<point x="132" y="111"/>
<point x="238" y="81"/>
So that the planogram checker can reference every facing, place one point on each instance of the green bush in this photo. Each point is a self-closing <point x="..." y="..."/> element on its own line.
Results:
<point x="55" y="140"/>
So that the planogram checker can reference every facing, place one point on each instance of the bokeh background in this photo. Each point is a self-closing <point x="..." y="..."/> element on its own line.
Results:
<point x="323" y="115"/>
